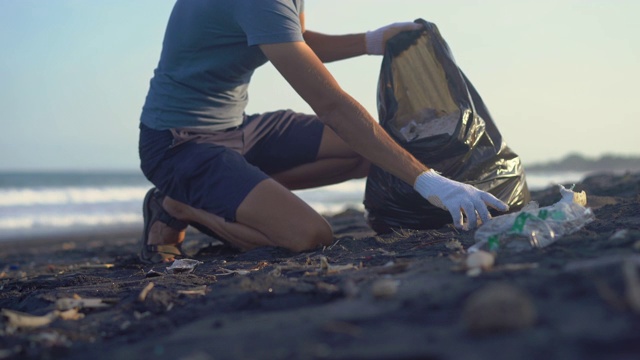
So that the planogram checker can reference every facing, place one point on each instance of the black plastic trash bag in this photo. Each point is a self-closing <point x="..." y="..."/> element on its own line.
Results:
<point x="427" y="104"/>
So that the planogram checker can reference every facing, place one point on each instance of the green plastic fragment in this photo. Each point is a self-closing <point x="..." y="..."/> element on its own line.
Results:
<point x="518" y="224"/>
<point x="493" y="243"/>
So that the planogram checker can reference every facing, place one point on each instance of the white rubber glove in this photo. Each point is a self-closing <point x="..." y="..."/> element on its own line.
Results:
<point x="455" y="197"/>
<point x="376" y="39"/>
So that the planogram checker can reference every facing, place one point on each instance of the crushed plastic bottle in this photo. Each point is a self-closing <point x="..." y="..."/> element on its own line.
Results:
<point x="535" y="227"/>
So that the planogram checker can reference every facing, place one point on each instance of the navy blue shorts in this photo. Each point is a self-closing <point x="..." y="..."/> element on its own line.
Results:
<point x="215" y="171"/>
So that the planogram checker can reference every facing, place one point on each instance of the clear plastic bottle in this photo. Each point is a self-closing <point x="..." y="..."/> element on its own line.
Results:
<point x="534" y="227"/>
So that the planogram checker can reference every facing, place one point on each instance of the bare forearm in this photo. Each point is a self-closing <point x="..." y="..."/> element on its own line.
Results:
<point x="365" y="136"/>
<point x="335" y="47"/>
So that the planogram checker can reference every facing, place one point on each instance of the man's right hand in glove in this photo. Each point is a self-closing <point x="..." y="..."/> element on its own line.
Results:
<point x="456" y="198"/>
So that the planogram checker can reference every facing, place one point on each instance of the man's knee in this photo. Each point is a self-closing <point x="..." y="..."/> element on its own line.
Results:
<point x="313" y="236"/>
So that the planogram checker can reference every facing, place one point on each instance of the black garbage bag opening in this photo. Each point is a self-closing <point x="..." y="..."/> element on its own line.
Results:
<point x="429" y="107"/>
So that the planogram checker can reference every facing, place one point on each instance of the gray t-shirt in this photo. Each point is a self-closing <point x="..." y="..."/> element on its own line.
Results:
<point x="208" y="55"/>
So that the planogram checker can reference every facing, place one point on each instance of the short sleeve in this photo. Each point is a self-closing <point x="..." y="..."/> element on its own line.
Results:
<point x="269" y="21"/>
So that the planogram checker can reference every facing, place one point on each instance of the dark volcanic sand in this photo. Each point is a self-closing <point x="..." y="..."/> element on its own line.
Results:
<point x="572" y="300"/>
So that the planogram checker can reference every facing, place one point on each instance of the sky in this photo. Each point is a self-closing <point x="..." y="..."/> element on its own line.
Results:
<point x="558" y="76"/>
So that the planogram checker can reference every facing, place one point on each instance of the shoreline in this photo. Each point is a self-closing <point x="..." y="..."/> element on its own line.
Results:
<point x="79" y="236"/>
<point x="70" y="221"/>
<point x="367" y="296"/>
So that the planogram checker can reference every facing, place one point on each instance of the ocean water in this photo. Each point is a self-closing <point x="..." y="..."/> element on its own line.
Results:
<point x="41" y="205"/>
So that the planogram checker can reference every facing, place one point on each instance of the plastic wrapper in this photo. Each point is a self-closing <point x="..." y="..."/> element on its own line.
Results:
<point x="428" y="106"/>
<point x="534" y="226"/>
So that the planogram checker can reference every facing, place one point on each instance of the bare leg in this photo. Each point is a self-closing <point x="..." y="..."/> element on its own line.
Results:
<point x="161" y="234"/>
<point x="269" y="215"/>
<point x="336" y="162"/>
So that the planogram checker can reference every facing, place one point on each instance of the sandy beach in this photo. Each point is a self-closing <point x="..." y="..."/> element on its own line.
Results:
<point x="402" y="295"/>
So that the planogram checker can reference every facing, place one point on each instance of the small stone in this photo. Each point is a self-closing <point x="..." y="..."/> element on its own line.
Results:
<point x="498" y="307"/>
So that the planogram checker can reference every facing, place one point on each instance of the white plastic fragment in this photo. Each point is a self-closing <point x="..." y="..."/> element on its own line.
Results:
<point x="199" y="290"/>
<point x="385" y="288"/>
<point x="69" y="303"/>
<point x="183" y="266"/>
<point x="479" y="261"/>
<point x="145" y="291"/>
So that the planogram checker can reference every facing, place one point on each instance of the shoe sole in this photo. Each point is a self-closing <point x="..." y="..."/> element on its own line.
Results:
<point x="146" y="212"/>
